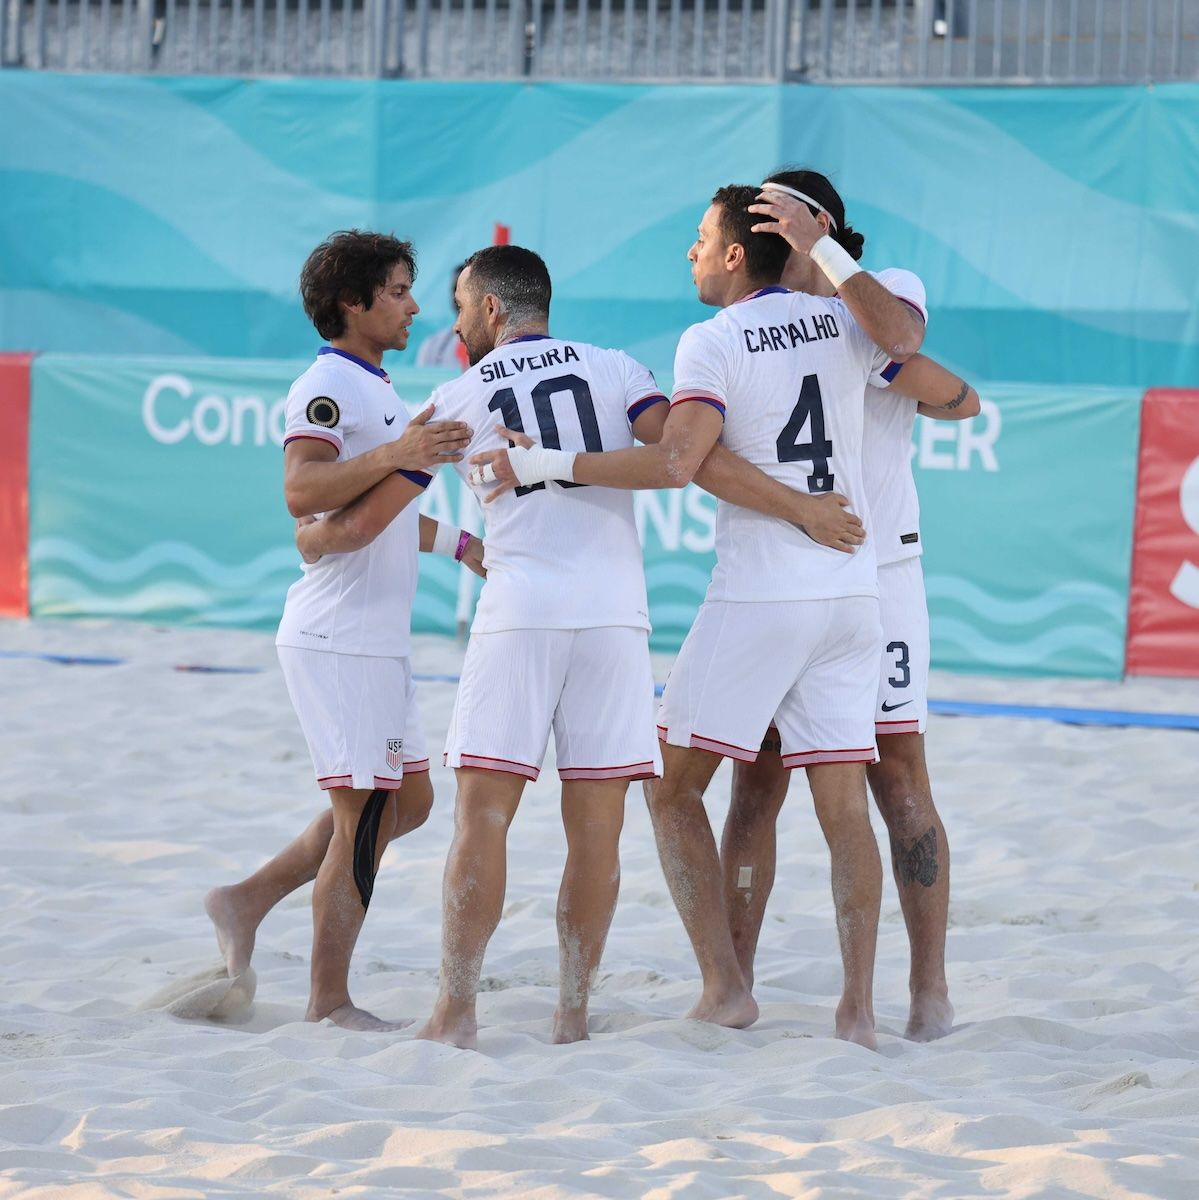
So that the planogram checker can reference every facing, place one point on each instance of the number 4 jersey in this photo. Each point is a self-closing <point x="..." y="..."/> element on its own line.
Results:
<point x="558" y="555"/>
<point x="788" y="371"/>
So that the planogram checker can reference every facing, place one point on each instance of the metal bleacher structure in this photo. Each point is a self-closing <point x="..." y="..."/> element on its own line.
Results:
<point x="707" y="41"/>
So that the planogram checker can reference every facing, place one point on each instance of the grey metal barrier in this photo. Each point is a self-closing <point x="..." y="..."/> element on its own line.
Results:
<point x="826" y="41"/>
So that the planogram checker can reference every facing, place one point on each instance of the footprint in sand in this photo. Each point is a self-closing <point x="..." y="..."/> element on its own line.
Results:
<point x="208" y="995"/>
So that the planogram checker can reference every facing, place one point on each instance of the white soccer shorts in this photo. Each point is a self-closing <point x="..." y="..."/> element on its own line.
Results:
<point x="808" y="666"/>
<point x="593" y="687"/>
<point x="359" y="717"/>
<point x="903" y="679"/>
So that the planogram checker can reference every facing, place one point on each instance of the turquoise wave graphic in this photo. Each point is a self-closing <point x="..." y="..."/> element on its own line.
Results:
<point x="1084" y="649"/>
<point x="62" y="595"/>
<point x="1106" y="602"/>
<point x="182" y="555"/>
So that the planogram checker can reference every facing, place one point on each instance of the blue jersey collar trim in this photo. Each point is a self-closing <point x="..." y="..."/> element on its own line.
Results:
<point x="527" y="337"/>
<point x="773" y="290"/>
<point x="366" y="366"/>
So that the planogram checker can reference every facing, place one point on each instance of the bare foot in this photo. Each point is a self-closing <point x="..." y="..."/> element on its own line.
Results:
<point x="350" y="1016"/>
<point x="739" y="1010"/>
<point x="570" y="1027"/>
<point x="459" y="1029"/>
<point x="235" y="929"/>
<point x="856" y="1025"/>
<point x="931" y="1017"/>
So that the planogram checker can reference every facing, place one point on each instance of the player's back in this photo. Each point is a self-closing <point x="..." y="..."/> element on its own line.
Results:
<point x="558" y="555"/>
<point x="791" y="370"/>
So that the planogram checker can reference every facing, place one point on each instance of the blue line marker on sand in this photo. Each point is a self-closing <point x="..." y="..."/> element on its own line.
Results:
<point x="1110" y="717"/>
<point x="201" y="669"/>
<point x="67" y="660"/>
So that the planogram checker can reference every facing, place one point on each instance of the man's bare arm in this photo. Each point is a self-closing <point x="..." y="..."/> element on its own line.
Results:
<point x="469" y="555"/>
<point x="890" y="324"/>
<point x="358" y="523"/>
<point x="825" y="519"/>
<point x="939" y="393"/>
<point x="690" y="432"/>
<point x="314" y="481"/>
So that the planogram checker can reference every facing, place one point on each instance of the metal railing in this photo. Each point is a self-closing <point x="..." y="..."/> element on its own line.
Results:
<point x="833" y="41"/>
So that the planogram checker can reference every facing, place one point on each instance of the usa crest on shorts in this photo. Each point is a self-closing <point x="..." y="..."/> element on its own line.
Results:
<point x="395" y="753"/>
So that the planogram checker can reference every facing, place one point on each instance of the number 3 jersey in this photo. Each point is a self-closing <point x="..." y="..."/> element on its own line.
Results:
<point x="788" y="371"/>
<point x="558" y="555"/>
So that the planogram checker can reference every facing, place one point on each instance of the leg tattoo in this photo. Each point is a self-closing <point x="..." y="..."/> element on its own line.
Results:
<point x="916" y="862"/>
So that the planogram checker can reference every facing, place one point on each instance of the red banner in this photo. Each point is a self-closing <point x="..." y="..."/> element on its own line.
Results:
<point x="14" y="485"/>
<point x="1163" y="607"/>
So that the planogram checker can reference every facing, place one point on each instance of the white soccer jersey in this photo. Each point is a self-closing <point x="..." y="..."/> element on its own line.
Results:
<point x="558" y="555"/>
<point x="788" y="371"/>
<point x="357" y="603"/>
<point x="887" y="445"/>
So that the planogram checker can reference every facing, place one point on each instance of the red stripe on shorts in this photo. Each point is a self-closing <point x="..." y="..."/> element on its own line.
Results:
<point x="887" y="728"/>
<point x="641" y="770"/>
<point x="483" y="763"/>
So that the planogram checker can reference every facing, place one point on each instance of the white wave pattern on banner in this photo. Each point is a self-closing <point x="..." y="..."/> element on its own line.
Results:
<point x="1107" y="603"/>
<point x="109" y="588"/>
<point x="1100" y="646"/>
<point x="280" y="561"/>
<point x="55" y="595"/>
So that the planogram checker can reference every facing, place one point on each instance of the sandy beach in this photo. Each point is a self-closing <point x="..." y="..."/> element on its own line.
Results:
<point x="130" y="788"/>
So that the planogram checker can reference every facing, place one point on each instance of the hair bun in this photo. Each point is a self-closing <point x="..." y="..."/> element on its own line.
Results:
<point x="851" y="240"/>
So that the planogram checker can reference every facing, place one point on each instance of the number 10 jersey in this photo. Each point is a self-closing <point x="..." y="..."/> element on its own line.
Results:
<point x="558" y="555"/>
<point x="788" y="371"/>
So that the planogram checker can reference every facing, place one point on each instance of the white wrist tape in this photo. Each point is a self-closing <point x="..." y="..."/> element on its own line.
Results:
<point x="445" y="541"/>
<point x="536" y="464"/>
<point x="834" y="260"/>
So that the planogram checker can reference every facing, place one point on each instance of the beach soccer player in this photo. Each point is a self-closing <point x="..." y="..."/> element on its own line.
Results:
<point x="789" y="629"/>
<point x="803" y="206"/>
<point x="343" y="640"/>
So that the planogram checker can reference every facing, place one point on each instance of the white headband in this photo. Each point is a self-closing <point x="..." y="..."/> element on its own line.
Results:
<point x="782" y="187"/>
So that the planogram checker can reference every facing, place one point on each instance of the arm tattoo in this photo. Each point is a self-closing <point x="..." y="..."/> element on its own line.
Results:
<point x="958" y="398"/>
<point x="916" y="861"/>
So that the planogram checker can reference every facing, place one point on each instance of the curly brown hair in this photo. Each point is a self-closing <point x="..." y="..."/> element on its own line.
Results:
<point x="349" y="267"/>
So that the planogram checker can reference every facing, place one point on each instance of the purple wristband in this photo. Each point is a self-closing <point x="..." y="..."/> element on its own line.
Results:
<point x="463" y="541"/>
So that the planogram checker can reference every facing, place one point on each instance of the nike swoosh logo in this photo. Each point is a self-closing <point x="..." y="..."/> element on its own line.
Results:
<point x="388" y="420"/>
<point x="892" y="707"/>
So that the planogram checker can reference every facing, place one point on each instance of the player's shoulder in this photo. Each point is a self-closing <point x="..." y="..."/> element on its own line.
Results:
<point x="322" y="379"/>
<point x="336" y="370"/>
<point x="720" y="327"/>
<point x="901" y="282"/>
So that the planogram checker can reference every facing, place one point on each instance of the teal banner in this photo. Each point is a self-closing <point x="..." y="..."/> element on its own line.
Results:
<point x="1026" y="513"/>
<point x="1055" y="228"/>
<point x="160" y="496"/>
<point x="156" y="493"/>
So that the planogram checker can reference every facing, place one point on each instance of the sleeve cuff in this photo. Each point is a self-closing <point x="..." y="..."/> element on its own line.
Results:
<point x="313" y="436"/>
<point x="420" y="478"/>
<point x="646" y="402"/>
<point x="714" y="401"/>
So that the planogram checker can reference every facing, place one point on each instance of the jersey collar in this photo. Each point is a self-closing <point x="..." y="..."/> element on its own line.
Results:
<point x="366" y="366"/>
<point x="773" y="290"/>
<point x="526" y="337"/>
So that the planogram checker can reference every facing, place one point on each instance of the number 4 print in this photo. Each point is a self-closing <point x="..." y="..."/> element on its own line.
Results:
<point x="817" y="451"/>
